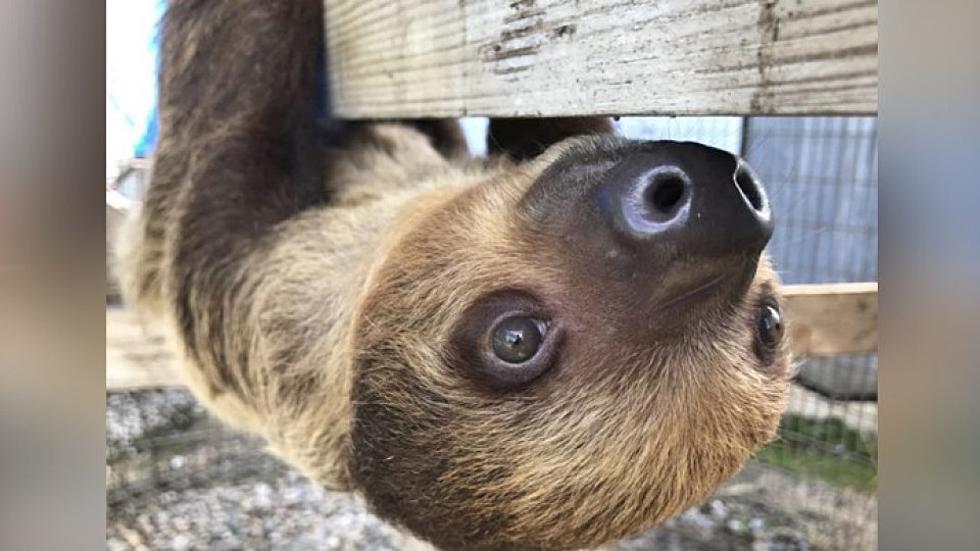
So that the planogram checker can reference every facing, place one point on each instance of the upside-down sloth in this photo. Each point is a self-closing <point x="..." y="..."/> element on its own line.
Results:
<point x="550" y="348"/>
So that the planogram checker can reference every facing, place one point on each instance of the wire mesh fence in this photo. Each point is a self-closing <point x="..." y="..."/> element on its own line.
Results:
<point x="822" y="175"/>
<point x="176" y="479"/>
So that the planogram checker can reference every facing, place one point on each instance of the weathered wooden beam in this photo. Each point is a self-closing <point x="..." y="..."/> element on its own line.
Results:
<point x="823" y="320"/>
<point x="136" y="356"/>
<point x="448" y="58"/>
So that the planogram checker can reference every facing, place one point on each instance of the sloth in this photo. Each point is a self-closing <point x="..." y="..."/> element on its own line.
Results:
<point x="553" y="347"/>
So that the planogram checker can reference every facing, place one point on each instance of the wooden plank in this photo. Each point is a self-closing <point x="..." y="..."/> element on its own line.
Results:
<point x="823" y="320"/>
<point x="135" y="356"/>
<point x="411" y="58"/>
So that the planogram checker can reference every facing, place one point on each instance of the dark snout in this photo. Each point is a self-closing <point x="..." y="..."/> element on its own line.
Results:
<point x="649" y="224"/>
<point x="685" y="196"/>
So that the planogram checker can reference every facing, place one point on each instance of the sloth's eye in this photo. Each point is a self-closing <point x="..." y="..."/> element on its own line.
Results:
<point x="769" y="326"/>
<point x="506" y="340"/>
<point x="516" y="339"/>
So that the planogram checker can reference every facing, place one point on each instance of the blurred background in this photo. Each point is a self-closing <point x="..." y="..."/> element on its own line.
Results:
<point x="177" y="480"/>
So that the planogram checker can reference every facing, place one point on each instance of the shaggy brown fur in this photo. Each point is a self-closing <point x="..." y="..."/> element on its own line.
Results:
<point x="334" y="301"/>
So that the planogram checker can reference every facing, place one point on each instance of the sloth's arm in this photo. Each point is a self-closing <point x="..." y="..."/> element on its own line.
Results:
<point x="237" y="155"/>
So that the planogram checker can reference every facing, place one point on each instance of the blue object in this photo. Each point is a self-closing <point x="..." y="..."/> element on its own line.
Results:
<point x="146" y="145"/>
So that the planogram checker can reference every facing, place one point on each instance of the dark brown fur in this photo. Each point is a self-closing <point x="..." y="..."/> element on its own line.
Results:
<point x="329" y="298"/>
<point x="523" y="138"/>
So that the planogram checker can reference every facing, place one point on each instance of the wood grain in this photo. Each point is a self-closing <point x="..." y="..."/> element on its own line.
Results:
<point x="136" y="356"/>
<point x="410" y="58"/>
<point x="823" y="320"/>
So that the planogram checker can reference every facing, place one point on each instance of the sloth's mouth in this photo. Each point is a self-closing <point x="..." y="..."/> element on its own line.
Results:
<point x="693" y="296"/>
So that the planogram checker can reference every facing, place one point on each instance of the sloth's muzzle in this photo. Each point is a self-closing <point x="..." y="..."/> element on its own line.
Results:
<point x="653" y="225"/>
<point x="685" y="195"/>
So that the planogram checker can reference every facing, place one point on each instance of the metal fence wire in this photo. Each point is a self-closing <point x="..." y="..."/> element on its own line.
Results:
<point x="176" y="479"/>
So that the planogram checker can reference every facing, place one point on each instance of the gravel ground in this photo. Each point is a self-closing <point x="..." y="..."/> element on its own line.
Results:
<point x="286" y="513"/>
<point x="134" y="417"/>
<point x="178" y="481"/>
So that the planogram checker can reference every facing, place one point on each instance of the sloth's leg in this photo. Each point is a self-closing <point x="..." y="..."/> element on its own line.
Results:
<point x="444" y="136"/>
<point x="237" y="155"/>
<point x="525" y="138"/>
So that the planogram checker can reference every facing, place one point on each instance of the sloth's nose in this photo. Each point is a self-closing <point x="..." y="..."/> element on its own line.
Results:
<point x="696" y="198"/>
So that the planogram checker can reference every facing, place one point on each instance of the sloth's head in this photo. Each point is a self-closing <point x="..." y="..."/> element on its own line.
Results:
<point x="570" y="352"/>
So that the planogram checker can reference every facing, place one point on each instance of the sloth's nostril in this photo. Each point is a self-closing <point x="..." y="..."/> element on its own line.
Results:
<point x="665" y="192"/>
<point x="749" y="187"/>
<point x="667" y="198"/>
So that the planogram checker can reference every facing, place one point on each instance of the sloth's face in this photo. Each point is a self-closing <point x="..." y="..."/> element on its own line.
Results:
<point x="573" y="352"/>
